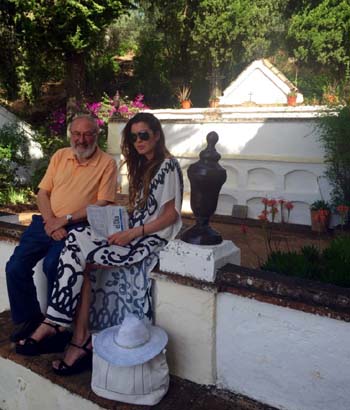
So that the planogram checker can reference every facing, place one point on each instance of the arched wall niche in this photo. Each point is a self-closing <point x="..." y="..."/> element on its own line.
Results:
<point x="261" y="179"/>
<point x="232" y="177"/>
<point x="301" y="181"/>
<point x="225" y="204"/>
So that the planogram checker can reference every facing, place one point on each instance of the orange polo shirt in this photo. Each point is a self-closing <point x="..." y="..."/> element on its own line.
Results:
<point x="73" y="185"/>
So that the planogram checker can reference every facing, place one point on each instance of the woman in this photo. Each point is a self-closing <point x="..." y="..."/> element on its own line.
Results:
<point x="155" y="197"/>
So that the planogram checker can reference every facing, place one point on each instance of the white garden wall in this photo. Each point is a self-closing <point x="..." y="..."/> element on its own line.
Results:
<point x="276" y="355"/>
<point x="6" y="250"/>
<point x="270" y="151"/>
<point x="286" y="358"/>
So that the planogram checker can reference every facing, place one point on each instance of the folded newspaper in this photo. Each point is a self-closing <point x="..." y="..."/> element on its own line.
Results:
<point x="107" y="220"/>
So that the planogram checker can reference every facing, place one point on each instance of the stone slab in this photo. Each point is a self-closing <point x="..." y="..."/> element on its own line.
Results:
<point x="198" y="261"/>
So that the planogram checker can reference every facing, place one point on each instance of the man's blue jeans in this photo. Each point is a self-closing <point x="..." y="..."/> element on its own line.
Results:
<point x="34" y="245"/>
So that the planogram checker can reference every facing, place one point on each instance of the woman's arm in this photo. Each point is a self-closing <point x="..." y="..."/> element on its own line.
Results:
<point x="165" y="219"/>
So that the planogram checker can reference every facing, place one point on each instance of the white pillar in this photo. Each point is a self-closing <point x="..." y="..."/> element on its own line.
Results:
<point x="185" y="305"/>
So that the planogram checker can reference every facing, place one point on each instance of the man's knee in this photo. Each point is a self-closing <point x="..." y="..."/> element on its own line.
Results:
<point x="15" y="269"/>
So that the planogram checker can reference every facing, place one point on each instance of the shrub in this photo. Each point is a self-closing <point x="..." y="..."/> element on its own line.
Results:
<point x="336" y="260"/>
<point x="330" y="266"/>
<point x="334" y="129"/>
<point x="14" y="153"/>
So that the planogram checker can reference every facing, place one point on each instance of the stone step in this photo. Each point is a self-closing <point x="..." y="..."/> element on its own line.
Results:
<point x="29" y="383"/>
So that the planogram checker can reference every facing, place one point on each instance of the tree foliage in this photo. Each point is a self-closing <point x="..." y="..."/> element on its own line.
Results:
<point x="46" y="32"/>
<point x="14" y="153"/>
<point x="320" y="32"/>
<point x="176" y="42"/>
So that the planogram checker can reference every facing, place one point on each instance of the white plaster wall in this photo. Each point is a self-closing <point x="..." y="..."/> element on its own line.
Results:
<point x="271" y="152"/>
<point x="6" y="250"/>
<point x="283" y="357"/>
<point x="257" y="88"/>
<point x="6" y="117"/>
<point x="22" y="389"/>
<point x="187" y="314"/>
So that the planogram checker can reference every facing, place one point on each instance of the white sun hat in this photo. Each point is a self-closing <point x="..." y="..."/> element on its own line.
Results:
<point x="131" y="343"/>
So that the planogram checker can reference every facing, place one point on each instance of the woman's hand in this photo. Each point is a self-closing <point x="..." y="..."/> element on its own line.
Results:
<point x="125" y="237"/>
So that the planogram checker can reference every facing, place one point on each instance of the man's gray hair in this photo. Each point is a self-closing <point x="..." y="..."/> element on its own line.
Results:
<point x="88" y="117"/>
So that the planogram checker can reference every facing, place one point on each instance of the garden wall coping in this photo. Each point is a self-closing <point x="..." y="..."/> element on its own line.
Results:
<point x="270" y="287"/>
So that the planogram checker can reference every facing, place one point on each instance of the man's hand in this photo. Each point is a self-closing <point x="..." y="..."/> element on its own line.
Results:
<point x="53" y="224"/>
<point x="124" y="237"/>
<point x="59" y="234"/>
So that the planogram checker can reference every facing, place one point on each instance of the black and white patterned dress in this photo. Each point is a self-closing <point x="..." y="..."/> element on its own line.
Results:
<point x="125" y="285"/>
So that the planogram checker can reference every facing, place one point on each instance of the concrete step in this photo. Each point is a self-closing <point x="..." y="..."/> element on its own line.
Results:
<point x="28" y="383"/>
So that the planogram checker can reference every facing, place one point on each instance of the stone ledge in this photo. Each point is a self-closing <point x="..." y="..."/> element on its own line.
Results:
<point x="10" y="230"/>
<point x="296" y="293"/>
<point x="269" y="287"/>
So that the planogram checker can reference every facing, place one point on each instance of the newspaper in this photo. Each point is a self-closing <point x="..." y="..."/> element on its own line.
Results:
<point x="107" y="220"/>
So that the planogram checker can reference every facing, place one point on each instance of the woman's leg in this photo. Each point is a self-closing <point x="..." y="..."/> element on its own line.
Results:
<point x="70" y="277"/>
<point x="81" y="325"/>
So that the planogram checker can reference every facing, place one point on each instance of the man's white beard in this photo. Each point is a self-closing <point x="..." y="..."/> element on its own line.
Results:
<point x="86" y="154"/>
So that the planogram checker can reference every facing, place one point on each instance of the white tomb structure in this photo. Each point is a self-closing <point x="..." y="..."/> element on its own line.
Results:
<point x="260" y="83"/>
<point x="268" y="149"/>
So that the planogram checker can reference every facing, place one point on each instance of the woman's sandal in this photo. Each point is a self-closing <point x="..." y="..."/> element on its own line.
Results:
<point x="51" y="344"/>
<point x="82" y="363"/>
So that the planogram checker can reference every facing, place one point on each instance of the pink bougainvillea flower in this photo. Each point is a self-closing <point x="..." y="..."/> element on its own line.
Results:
<point x="123" y="109"/>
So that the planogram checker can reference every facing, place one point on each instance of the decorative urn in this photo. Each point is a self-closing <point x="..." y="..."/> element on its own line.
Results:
<point x="206" y="178"/>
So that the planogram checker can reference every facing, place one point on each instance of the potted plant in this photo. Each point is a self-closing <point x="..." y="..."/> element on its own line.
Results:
<point x="214" y="101"/>
<point x="183" y="95"/>
<point x="320" y="215"/>
<point x="330" y="94"/>
<point x="292" y="97"/>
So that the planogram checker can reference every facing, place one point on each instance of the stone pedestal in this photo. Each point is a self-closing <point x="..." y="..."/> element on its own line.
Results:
<point x="186" y="308"/>
<point x="198" y="261"/>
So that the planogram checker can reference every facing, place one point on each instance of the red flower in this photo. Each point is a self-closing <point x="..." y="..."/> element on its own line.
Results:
<point x="342" y="209"/>
<point x="263" y="216"/>
<point x="289" y="205"/>
<point x="272" y="202"/>
<point x="265" y="201"/>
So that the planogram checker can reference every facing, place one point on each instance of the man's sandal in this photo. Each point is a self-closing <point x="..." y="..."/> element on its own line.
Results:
<point x="81" y="364"/>
<point x="50" y="344"/>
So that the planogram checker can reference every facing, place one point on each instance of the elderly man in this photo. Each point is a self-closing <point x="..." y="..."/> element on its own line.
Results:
<point x="76" y="177"/>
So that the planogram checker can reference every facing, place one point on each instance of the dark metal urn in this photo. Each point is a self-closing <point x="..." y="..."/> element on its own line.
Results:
<point x="206" y="178"/>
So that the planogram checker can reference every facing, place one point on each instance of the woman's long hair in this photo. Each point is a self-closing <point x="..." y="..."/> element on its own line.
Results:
<point x="140" y="170"/>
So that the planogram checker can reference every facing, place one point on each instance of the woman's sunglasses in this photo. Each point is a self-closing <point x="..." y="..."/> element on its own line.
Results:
<point x="143" y="135"/>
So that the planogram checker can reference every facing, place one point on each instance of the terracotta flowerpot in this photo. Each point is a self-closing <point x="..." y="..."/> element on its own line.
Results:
<point x="186" y="104"/>
<point x="330" y="98"/>
<point x="214" y="102"/>
<point x="292" y="100"/>
<point x="319" y="224"/>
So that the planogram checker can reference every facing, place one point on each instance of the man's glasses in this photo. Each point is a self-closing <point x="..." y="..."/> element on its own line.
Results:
<point x="143" y="135"/>
<point x="77" y="134"/>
